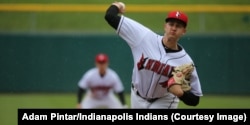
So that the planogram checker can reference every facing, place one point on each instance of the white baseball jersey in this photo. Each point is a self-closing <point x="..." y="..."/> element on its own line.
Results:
<point x="152" y="65"/>
<point x="101" y="86"/>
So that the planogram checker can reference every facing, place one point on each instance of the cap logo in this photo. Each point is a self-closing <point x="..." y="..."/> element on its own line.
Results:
<point x="101" y="57"/>
<point x="177" y="14"/>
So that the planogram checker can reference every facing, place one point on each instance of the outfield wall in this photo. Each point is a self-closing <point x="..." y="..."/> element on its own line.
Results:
<point x="55" y="63"/>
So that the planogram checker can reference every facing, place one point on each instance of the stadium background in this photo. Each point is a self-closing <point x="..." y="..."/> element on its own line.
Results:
<point x="46" y="46"/>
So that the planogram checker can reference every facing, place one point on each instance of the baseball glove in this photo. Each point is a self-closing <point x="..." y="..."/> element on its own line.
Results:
<point x="181" y="75"/>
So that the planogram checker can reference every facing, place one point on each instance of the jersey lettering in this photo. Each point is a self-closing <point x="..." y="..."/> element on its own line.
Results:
<point x="149" y="64"/>
<point x="155" y="66"/>
<point x="100" y="88"/>
<point x="140" y="64"/>
<point x="167" y="70"/>
<point x="103" y="90"/>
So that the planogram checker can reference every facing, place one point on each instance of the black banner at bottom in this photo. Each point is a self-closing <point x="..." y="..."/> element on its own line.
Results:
<point x="47" y="116"/>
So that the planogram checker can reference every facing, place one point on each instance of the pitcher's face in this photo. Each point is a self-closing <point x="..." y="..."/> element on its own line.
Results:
<point x="174" y="29"/>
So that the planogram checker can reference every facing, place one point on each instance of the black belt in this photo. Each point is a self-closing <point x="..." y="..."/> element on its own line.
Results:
<point x="148" y="99"/>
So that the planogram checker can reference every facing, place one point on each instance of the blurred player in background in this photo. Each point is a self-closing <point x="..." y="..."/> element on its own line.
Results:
<point x="101" y="83"/>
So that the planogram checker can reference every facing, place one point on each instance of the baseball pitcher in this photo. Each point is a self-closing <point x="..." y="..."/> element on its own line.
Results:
<point x="163" y="72"/>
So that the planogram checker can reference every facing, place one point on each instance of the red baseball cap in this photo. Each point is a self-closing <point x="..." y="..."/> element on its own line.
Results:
<point x="101" y="58"/>
<point x="177" y="15"/>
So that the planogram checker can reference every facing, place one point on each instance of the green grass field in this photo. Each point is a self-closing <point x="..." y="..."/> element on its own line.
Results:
<point x="132" y="1"/>
<point x="93" y="22"/>
<point x="11" y="102"/>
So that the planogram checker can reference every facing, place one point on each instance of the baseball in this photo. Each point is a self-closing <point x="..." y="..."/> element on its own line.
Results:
<point x="122" y="5"/>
